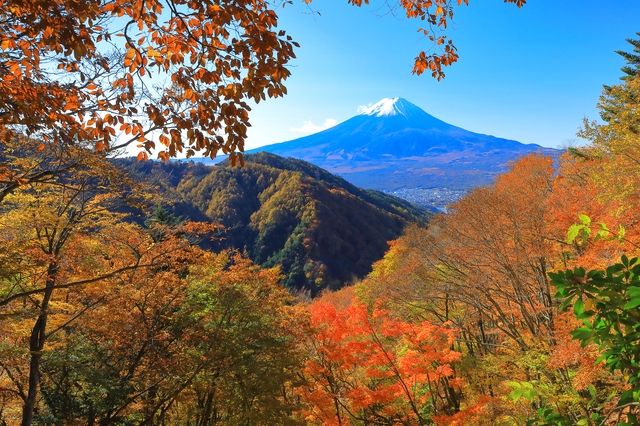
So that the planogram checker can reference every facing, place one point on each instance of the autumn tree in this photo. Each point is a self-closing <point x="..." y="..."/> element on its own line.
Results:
<point x="369" y="367"/>
<point x="85" y="72"/>
<point x="244" y="337"/>
<point x="104" y="321"/>
<point x="600" y="181"/>
<point x="483" y="268"/>
<point x="61" y="239"/>
<point x="205" y="339"/>
<point x="595" y="202"/>
<point x="490" y="255"/>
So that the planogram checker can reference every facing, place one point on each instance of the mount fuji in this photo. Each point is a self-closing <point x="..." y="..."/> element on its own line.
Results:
<point x="394" y="144"/>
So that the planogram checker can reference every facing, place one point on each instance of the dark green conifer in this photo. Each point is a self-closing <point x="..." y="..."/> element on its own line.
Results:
<point x="632" y="68"/>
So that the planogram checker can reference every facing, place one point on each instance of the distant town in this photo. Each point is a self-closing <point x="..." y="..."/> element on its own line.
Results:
<point x="438" y="198"/>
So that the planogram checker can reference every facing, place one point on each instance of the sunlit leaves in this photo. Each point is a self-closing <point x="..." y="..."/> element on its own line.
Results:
<point x="368" y="365"/>
<point x="87" y="71"/>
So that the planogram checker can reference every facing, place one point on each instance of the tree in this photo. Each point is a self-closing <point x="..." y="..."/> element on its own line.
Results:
<point x="600" y="182"/>
<point x="207" y="340"/>
<point x="373" y="368"/>
<point x="104" y="321"/>
<point x="632" y="69"/>
<point x="483" y="268"/>
<point x="606" y="303"/>
<point x="490" y="255"/>
<point x="81" y="71"/>
<point x="24" y="162"/>
<point x="63" y="239"/>
<point x="243" y="342"/>
<point x="120" y="348"/>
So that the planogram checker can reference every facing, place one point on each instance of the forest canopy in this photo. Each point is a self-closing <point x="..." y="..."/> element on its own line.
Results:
<point x="319" y="229"/>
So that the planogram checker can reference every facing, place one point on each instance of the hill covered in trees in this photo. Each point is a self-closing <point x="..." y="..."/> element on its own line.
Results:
<point x="321" y="230"/>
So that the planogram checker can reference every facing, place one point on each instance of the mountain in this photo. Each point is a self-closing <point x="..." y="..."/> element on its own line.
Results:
<point x="322" y="230"/>
<point x="394" y="145"/>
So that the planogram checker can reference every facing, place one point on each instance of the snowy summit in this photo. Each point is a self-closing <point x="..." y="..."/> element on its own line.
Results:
<point x="389" y="107"/>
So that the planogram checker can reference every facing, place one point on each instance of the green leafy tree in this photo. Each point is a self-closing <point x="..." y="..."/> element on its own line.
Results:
<point x="608" y="304"/>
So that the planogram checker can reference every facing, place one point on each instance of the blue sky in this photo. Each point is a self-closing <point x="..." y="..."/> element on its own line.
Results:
<point x="527" y="74"/>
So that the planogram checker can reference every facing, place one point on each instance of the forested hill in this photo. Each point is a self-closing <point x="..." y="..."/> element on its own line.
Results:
<point x="322" y="230"/>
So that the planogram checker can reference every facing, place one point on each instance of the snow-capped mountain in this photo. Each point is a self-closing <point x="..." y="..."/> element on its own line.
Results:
<point x="395" y="144"/>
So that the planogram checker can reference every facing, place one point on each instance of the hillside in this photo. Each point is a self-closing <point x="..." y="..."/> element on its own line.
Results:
<point x="395" y="145"/>
<point x="322" y="230"/>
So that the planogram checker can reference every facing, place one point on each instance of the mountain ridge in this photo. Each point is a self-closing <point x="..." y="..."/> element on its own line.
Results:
<point x="321" y="230"/>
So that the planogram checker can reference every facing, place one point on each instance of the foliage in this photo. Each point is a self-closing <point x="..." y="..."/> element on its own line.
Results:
<point x="607" y="302"/>
<point x="239" y="322"/>
<point x="616" y="141"/>
<point x="370" y="367"/>
<point x="84" y="71"/>
<point x="212" y="347"/>
<point x="321" y="230"/>
<point x="106" y="321"/>
<point x="632" y="68"/>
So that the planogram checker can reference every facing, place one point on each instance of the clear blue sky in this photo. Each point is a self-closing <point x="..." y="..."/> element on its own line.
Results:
<point x="527" y="74"/>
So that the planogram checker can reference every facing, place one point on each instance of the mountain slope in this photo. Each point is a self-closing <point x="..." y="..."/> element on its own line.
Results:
<point x="394" y="144"/>
<point x="321" y="230"/>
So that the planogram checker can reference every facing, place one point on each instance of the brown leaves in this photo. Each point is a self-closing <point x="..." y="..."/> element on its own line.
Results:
<point x="215" y="56"/>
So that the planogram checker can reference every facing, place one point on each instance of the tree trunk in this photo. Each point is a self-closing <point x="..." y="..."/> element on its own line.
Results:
<point x="36" y="345"/>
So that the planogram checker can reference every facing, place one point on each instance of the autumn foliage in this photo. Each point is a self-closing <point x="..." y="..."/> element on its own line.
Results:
<point x="85" y="71"/>
<point x="366" y="366"/>
<point x="546" y="351"/>
<point x="517" y="306"/>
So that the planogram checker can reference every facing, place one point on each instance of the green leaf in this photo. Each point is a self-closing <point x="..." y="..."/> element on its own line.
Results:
<point x="583" y="334"/>
<point x="621" y="232"/>
<point x="584" y="219"/>
<point x="625" y="398"/>
<point x="578" y="308"/>
<point x="592" y="391"/>
<point x="514" y="385"/>
<point x="603" y="233"/>
<point x="572" y="233"/>
<point x="634" y="298"/>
